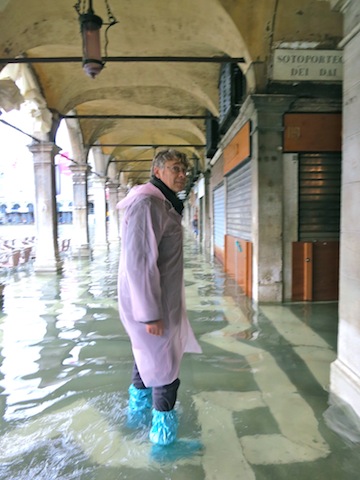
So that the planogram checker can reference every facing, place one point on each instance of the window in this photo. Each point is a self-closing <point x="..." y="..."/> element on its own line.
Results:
<point x="231" y="93"/>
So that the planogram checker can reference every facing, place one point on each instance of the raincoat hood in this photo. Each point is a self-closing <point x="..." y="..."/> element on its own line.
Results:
<point x="138" y="191"/>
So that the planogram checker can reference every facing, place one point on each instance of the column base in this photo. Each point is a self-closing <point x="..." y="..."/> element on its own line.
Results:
<point x="104" y="245"/>
<point x="83" y="251"/>
<point x="345" y="384"/>
<point x="114" y="240"/>
<point x="48" y="266"/>
<point x="271" y="293"/>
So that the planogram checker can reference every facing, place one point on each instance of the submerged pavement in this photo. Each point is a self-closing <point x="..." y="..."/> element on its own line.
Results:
<point x="256" y="399"/>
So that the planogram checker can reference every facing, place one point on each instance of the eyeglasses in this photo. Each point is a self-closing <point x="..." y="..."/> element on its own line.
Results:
<point x="176" y="169"/>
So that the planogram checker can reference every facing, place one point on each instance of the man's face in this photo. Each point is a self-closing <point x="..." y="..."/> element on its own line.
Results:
<point x="173" y="175"/>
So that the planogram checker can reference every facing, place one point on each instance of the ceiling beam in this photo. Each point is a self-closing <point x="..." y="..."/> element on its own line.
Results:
<point x="137" y="117"/>
<point x="136" y="59"/>
<point x="135" y="160"/>
<point x="145" y="145"/>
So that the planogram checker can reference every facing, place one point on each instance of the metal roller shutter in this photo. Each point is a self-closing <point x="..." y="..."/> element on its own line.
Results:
<point x="319" y="196"/>
<point x="238" y="205"/>
<point x="219" y="216"/>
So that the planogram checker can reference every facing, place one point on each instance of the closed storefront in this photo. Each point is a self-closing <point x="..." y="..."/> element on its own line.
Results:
<point x="219" y="222"/>
<point x="238" y="181"/>
<point x="238" y="204"/>
<point x="315" y="254"/>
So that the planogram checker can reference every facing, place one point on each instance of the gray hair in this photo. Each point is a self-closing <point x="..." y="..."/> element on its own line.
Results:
<point x="165" y="155"/>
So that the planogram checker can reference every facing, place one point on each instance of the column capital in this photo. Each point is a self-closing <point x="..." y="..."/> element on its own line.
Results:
<point x="112" y="185"/>
<point x="79" y="173"/>
<point x="43" y="152"/>
<point x="122" y="190"/>
<point x="79" y="168"/>
<point x="272" y="103"/>
<point x="44" y="147"/>
<point x="98" y="182"/>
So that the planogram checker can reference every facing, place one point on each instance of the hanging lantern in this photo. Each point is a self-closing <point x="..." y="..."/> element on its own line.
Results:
<point x="90" y="25"/>
<point x="90" y="30"/>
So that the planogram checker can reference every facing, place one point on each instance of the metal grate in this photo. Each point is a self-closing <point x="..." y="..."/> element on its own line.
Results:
<point x="238" y="205"/>
<point x="219" y="216"/>
<point x="319" y="197"/>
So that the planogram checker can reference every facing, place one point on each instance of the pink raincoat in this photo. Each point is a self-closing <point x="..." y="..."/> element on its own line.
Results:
<point x="151" y="284"/>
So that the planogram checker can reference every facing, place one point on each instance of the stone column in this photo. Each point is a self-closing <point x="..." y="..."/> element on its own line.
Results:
<point x="80" y="239"/>
<point x="345" y="371"/>
<point x="98" y="188"/>
<point x="47" y="252"/>
<point x="267" y="196"/>
<point x="113" y="221"/>
<point x="122" y="192"/>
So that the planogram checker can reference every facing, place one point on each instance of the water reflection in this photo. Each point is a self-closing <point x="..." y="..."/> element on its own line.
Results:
<point x="253" y="400"/>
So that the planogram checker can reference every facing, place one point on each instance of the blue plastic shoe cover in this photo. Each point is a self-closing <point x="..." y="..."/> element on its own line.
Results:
<point x="139" y="407"/>
<point x="180" y="449"/>
<point x="164" y="427"/>
<point x="139" y="398"/>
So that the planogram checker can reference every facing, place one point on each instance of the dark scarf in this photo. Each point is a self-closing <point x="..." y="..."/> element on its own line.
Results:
<point x="169" y="194"/>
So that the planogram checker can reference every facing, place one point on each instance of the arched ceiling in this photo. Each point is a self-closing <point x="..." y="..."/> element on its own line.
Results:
<point x="134" y="99"/>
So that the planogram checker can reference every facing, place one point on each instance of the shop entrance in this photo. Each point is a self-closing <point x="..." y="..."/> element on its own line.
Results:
<point x="315" y="257"/>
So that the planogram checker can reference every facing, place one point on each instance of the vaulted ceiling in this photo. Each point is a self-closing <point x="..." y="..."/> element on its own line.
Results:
<point x="142" y="102"/>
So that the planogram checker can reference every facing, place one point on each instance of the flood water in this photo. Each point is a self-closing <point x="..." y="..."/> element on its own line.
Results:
<point x="255" y="398"/>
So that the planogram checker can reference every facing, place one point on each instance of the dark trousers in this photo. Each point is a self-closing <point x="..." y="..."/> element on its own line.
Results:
<point x="164" y="397"/>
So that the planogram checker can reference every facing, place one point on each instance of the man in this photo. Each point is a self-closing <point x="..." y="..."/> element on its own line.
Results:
<point x="151" y="294"/>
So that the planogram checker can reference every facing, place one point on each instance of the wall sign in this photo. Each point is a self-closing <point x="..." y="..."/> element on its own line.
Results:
<point x="312" y="132"/>
<point x="238" y="149"/>
<point x="307" y="65"/>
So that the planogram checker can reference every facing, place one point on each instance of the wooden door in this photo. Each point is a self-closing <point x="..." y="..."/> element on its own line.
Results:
<point x="325" y="271"/>
<point x="302" y="271"/>
<point x="315" y="271"/>
<point x="238" y="262"/>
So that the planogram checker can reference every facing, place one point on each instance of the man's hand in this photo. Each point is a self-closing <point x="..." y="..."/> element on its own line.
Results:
<point x="155" y="328"/>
